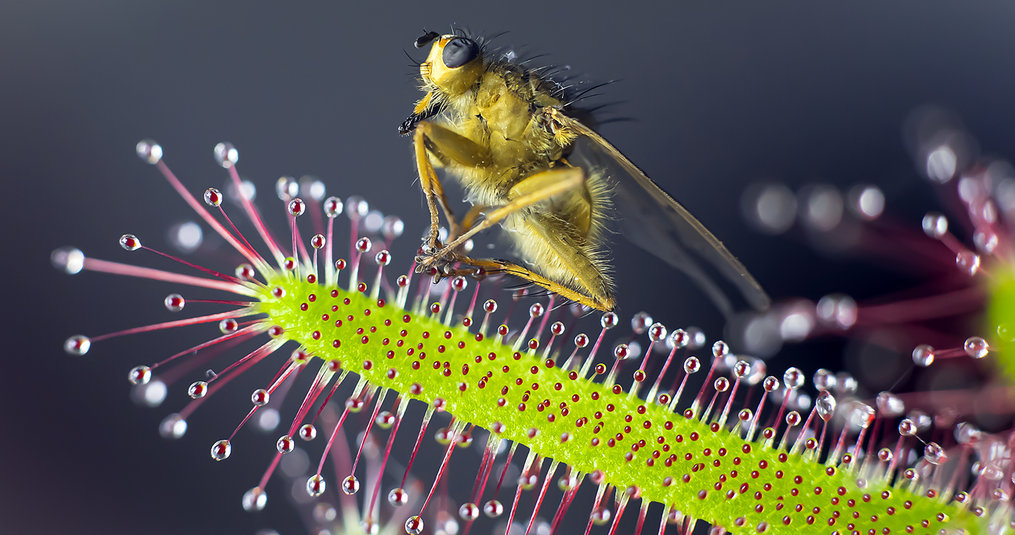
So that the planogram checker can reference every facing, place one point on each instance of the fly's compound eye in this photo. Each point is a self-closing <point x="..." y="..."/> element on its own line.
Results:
<point x="459" y="51"/>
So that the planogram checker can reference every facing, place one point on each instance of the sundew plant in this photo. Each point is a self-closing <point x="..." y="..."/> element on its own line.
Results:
<point x="662" y="430"/>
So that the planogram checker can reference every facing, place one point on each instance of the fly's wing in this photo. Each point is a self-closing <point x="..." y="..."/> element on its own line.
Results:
<point x="654" y="221"/>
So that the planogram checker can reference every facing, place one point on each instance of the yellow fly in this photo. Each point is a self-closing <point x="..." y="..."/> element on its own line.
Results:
<point x="548" y="180"/>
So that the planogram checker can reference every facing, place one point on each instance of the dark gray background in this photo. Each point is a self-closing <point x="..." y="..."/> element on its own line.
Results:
<point x="721" y="96"/>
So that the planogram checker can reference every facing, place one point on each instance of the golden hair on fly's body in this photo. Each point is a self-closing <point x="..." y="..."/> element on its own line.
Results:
<point x="509" y="135"/>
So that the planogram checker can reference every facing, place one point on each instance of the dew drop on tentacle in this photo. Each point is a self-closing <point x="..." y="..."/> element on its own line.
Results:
<point x="414" y="525"/>
<point x="226" y="154"/>
<point x="212" y="197"/>
<point x="976" y="347"/>
<point x="70" y="260"/>
<point x="934" y="453"/>
<point x="260" y="397"/>
<point x="77" y="345"/>
<point x="149" y="151"/>
<point x="186" y="237"/>
<point x="307" y="432"/>
<point x="197" y="389"/>
<point x="254" y="499"/>
<point x="923" y="355"/>
<point x="356" y="207"/>
<point x="867" y="202"/>
<point x="392" y="227"/>
<point x="640" y="322"/>
<point x="398" y="497"/>
<point x="220" y="450"/>
<point x="889" y="404"/>
<point x="493" y="508"/>
<point x="174" y="302"/>
<point x="139" y="375"/>
<point x="173" y="426"/>
<point x="350" y="485"/>
<point x="316" y="485"/>
<point x="130" y="242"/>
<point x="968" y="262"/>
<point x="824" y="380"/>
<point x="285" y="444"/>
<point x="825" y="405"/>
<point x="935" y="225"/>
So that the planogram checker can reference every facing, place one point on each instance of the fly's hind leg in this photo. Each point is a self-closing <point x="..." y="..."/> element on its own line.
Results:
<point x="501" y="266"/>
<point x="449" y="146"/>
<point x="533" y="189"/>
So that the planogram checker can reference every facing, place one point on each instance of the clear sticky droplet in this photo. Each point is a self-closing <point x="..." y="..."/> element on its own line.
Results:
<point x="824" y="379"/>
<point x="197" y="389"/>
<point x="173" y="426"/>
<point x="316" y="485"/>
<point x="837" y="310"/>
<point x="825" y="405"/>
<point x="373" y="221"/>
<point x="861" y="415"/>
<point x="312" y="188"/>
<point x="285" y="444"/>
<point x="793" y="378"/>
<point x="226" y="154"/>
<point x="691" y="365"/>
<point x="934" y="453"/>
<point x="493" y="508"/>
<point x="174" y="302"/>
<point x="260" y="397"/>
<point x="350" y="485"/>
<point x="212" y="197"/>
<point x="640" y="322"/>
<point x="186" y="237"/>
<point x="398" y="497"/>
<point x="468" y="512"/>
<point x="392" y="228"/>
<point x="307" y="432"/>
<point x="254" y="500"/>
<point x="220" y="450"/>
<point x="414" y="525"/>
<point x="942" y="163"/>
<point x="823" y="207"/>
<point x="935" y="225"/>
<point x="139" y="375"/>
<point x="868" y="202"/>
<point x="890" y="404"/>
<point x="333" y="207"/>
<point x="771" y="207"/>
<point x="151" y="394"/>
<point x="149" y="151"/>
<point x="609" y="320"/>
<point x="130" y="242"/>
<point x="923" y="355"/>
<point x="356" y="207"/>
<point x="228" y="326"/>
<point x="68" y="259"/>
<point x="976" y="347"/>
<point x="77" y="345"/>
<point x="968" y="262"/>
<point x="657" y="332"/>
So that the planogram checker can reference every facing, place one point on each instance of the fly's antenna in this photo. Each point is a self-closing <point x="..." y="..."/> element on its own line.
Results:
<point x="425" y="39"/>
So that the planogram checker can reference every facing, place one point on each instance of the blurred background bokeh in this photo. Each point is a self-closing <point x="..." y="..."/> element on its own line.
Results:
<point x="720" y="97"/>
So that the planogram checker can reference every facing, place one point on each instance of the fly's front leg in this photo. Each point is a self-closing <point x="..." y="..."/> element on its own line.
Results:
<point x="454" y="149"/>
